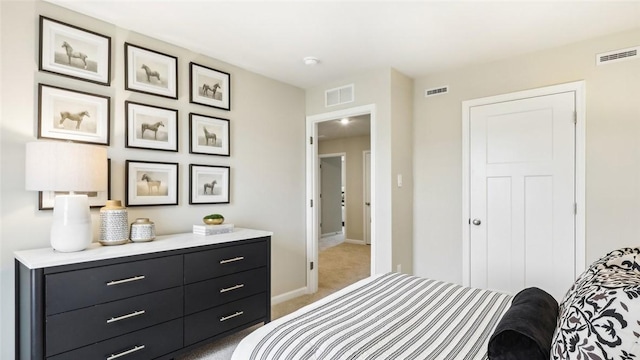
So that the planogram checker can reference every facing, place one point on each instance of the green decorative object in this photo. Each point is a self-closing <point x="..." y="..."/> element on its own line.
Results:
<point x="213" y="219"/>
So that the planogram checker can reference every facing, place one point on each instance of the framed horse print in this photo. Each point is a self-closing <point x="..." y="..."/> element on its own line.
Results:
<point x="209" y="87"/>
<point x="75" y="52"/>
<point x="208" y="135"/>
<point x="151" y="127"/>
<point x="151" y="183"/>
<point x="150" y="72"/>
<point x="208" y="184"/>
<point x="65" y="114"/>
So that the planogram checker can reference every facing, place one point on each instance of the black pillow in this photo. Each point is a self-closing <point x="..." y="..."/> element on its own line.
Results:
<point x="526" y="329"/>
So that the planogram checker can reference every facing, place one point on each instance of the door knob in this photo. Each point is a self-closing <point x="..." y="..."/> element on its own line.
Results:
<point x="476" y="222"/>
<point x="367" y="203"/>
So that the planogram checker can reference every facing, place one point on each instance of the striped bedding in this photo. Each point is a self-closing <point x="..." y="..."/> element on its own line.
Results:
<point x="391" y="316"/>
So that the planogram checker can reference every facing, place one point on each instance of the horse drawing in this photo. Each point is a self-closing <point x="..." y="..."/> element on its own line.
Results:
<point x="151" y="183"/>
<point x="77" y="117"/>
<point x="150" y="73"/>
<point x="206" y="88"/>
<point x="209" y="135"/>
<point x="152" y="127"/>
<point x="210" y="185"/>
<point x="76" y="54"/>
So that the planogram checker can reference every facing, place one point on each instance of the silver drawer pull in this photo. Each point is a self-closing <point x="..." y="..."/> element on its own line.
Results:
<point x="232" y="288"/>
<point x="118" y="318"/>
<point x="238" y="258"/>
<point x="117" y="282"/>
<point x="115" y="356"/>
<point x="225" y="318"/>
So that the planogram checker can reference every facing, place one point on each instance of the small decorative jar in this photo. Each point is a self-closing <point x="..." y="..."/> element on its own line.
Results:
<point x="142" y="230"/>
<point x="114" y="223"/>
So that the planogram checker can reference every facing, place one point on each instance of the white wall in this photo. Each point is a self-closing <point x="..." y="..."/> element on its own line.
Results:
<point x="267" y="168"/>
<point x="353" y="147"/>
<point x="612" y="146"/>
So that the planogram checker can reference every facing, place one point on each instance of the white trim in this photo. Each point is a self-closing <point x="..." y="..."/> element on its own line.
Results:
<point x="312" y="187"/>
<point x="364" y="193"/>
<point x="580" y="175"/>
<point x="288" y="295"/>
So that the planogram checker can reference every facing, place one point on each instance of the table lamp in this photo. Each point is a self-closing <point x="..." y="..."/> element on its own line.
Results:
<point x="67" y="167"/>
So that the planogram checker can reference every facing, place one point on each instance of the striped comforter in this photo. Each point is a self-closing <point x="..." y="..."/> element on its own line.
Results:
<point x="392" y="316"/>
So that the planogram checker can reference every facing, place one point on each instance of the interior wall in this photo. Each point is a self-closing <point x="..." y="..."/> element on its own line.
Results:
<point x="612" y="146"/>
<point x="331" y="199"/>
<point x="402" y="171"/>
<point x="261" y="111"/>
<point x="353" y="147"/>
<point x="371" y="88"/>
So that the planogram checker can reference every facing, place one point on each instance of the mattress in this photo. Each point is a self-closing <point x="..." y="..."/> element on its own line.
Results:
<point x="390" y="316"/>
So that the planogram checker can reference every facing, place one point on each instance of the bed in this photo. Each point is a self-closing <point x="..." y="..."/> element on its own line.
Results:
<point x="399" y="316"/>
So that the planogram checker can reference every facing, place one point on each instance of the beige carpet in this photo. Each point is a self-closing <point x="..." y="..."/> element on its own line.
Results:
<point x="339" y="265"/>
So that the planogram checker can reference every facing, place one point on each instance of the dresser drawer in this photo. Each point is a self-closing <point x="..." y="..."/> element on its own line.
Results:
<point x="80" y="288"/>
<point x="210" y="293"/>
<point x="74" y="329"/>
<point x="145" y="344"/>
<point x="224" y="261"/>
<point x="208" y="323"/>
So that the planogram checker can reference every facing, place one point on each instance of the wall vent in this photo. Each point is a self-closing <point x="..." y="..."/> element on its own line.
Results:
<point x="339" y="95"/>
<point x="436" y="91"/>
<point x="617" y="55"/>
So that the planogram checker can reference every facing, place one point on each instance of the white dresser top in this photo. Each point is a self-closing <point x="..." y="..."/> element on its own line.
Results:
<point x="47" y="257"/>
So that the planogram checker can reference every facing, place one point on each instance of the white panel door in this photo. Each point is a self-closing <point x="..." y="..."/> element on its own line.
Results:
<point x="367" y="197"/>
<point x="522" y="194"/>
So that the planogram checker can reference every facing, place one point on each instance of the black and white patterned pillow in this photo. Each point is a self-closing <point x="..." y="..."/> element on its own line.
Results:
<point x="600" y="315"/>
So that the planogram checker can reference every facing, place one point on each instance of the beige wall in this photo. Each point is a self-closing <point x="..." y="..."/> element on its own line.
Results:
<point x="402" y="166"/>
<point x="354" y="204"/>
<point x="390" y="129"/>
<point x="612" y="146"/>
<point x="265" y="194"/>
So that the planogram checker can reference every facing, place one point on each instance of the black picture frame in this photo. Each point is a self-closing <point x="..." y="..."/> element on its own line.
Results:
<point x="72" y="51"/>
<point x="65" y="114"/>
<point x="150" y="72"/>
<point x="151" y="183"/>
<point x="209" y="135"/>
<point x="209" y="184"/>
<point x="151" y="127"/>
<point x="209" y="87"/>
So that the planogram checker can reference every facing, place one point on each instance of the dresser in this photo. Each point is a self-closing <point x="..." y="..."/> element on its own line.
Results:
<point x="141" y="301"/>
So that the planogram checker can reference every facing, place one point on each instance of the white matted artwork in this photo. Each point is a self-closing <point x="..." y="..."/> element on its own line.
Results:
<point x="151" y="127"/>
<point x="151" y="183"/>
<point x="209" y="87"/>
<point x="75" y="52"/>
<point x="209" y="184"/>
<point x="150" y="72"/>
<point x="65" y="114"/>
<point x="209" y="135"/>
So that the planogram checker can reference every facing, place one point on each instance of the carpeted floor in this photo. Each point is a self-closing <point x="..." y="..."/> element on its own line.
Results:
<point x="340" y="264"/>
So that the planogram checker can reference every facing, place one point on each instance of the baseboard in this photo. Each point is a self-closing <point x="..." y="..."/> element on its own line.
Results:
<point x="351" y="241"/>
<point x="288" y="295"/>
<point x="331" y="234"/>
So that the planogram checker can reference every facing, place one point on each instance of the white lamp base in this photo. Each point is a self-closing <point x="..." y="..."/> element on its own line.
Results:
<point x="71" y="228"/>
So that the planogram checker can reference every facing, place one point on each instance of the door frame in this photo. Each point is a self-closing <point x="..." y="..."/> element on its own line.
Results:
<point x="366" y="229"/>
<point x="578" y="87"/>
<point x="343" y="169"/>
<point x="313" y="190"/>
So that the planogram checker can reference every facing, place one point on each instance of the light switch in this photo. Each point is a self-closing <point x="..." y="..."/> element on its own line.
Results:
<point x="399" y="180"/>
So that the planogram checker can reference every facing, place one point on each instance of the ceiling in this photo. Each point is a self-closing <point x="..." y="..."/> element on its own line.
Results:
<point x="334" y="129"/>
<point x="415" y="37"/>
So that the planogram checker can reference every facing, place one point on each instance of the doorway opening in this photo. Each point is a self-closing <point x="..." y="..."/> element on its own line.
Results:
<point x="337" y="141"/>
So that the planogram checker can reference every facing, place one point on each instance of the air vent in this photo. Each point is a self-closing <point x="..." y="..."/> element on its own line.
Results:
<point x="338" y="96"/>
<point x="617" y="55"/>
<point x="436" y="91"/>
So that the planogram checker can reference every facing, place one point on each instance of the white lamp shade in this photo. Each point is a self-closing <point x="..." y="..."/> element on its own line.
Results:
<point x="65" y="166"/>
